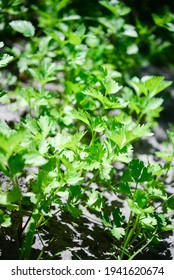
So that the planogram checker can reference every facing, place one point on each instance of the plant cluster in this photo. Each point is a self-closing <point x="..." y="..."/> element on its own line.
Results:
<point x="82" y="114"/>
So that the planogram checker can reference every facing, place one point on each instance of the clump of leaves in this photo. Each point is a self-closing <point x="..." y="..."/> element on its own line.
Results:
<point x="142" y="99"/>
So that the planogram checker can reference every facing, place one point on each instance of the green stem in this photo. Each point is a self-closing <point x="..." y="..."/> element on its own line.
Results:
<point x="128" y="237"/>
<point x="136" y="235"/>
<point x="15" y="184"/>
<point x="127" y="229"/>
<point x="139" y="118"/>
<point x="27" y="245"/>
<point x="40" y="220"/>
<point x="165" y="175"/>
<point x="164" y="202"/>
<point x="93" y="137"/>
<point x="142" y="248"/>
<point x="24" y="227"/>
<point x="136" y="186"/>
<point x="43" y="248"/>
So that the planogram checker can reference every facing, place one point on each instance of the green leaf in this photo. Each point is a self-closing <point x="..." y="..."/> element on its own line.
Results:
<point x="16" y="164"/>
<point x="165" y="21"/>
<point x="106" y="168"/>
<point x="113" y="25"/>
<point x="31" y="125"/>
<point x="75" y="192"/>
<point x="105" y="220"/>
<point x="124" y="188"/>
<point x="150" y="85"/>
<point x="74" y="211"/>
<point x="165" y="155"/>
<point x="132" y="49"/>
<point x="71" y="142"/>
<point x="73" y="178"/>
<point x="118" y="232"/>
<point x="5" y="129"/>
<point x="136" y="132"/>
<point x="156" y="84"/>
<point x="141" y="198"/>
<point x="61" y="5"/>
<point x="95" y="200"/>
<point x="52" y="186"/>
<point x="95" y="156"/>
<point x="136" y="166"/>
<point x="125" y="134"/>
<point x="2" y="92"/>
<point x="10" y="143"/>
<point x="139" y="172"/>
<point x="118" y="218"/>
<point x="4" y="201"/>
<point x="24" y="27"/>
<point x="92" y="165"/>
<point x="158" y="20"/>
<point x="156" y="169"/>
<point x="98" y="124"/>
<point x="43" y="146"/>
<point x="75" y="38"/>
<point x="45" y="124"/>
<point x="4" y="60"/>
<point x="168" y="228"/>
<point x="14" y="195"/>
<point x="149" y="222"/>
<point x="111" y="86"/>
<point x="71" y="17"/>
<point x="116" y="7"/>
<point x="35" y="159"/>
<point x="92" y="41"/>
<point x="134" y="207"/>
<point x="152" y="104"/>
<point x="1" y="44"/>
<point x="146" y="175"/>
<point x="170" y="134"/>
<point x="129" y="30"/>
<point x="170" y="202"/>
<point x="60" y="141"/>
<point x="93" y="196"/>
<point x="124" y="156"/>
<point x="108" y="103"/>
<point x="82" y="116"/>
<point x="35" y="73"/>
<point x="155" y="192"/>
<point x="6" y="222"/>
<point x="68" y="154"/>
<point x="138" y="210"/>
<point x="14" y="3"/>
<point x="28" y="198"/>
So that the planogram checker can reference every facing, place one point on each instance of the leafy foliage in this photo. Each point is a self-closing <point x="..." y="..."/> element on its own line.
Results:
<point x="84" y="112"/>
<point x="23" y="26"/>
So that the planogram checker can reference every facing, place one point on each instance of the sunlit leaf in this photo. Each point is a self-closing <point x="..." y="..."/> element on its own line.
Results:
<point x="4" y="60"/>
<point x="24" y="27"/>
<point x="118" y="232"/>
